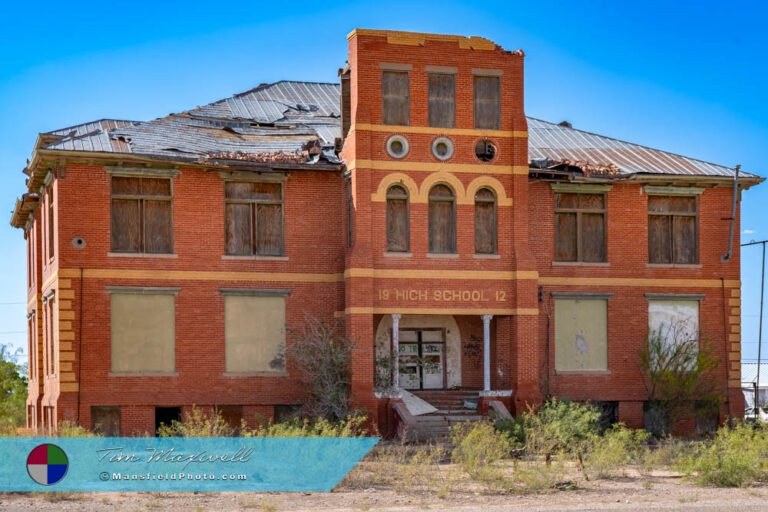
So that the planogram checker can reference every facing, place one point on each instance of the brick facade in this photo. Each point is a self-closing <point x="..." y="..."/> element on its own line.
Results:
<point x="328" y="278"/>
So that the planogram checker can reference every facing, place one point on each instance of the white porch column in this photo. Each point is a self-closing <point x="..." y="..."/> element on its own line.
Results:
<point x="487" y="352"/>
<point x="396" y="349"/>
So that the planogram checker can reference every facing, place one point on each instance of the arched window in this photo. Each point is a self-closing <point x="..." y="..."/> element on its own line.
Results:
<point x="397" y="219"/>
<point x="442" y="220"/>
<point x="485" y="221"/>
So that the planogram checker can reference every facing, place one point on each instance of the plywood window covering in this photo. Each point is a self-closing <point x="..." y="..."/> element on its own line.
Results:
<point x="254" y="218"/>
<point x="487" y="102"/>
<point x="442" y="220"/>
<point x="143" y="328"/>
<point x="254" y="333"/>
<point x="397" y="219"/>
<point x="485" y="222"/>
<point x="581" y="334"/>
<point x="442" y="100"/>
<point x="395" y="97"/>
<point x="580" y="227"/>
<point x="50" y="224"/>
<point x="672" y="229"/>
<point x="141" y="215"/>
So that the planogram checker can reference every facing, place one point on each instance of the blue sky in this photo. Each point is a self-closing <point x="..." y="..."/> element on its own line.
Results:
<point x="684" y="76"/>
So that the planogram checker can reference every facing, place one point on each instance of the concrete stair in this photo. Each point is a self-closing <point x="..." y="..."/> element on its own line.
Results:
<point x="437" y="425"/>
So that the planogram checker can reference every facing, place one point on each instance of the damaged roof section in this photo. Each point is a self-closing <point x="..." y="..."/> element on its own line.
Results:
<point x="557" y="146"/>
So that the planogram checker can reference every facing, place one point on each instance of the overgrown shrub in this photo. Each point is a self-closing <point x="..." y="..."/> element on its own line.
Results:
<point x="478" y="448"/>
<point x="734" y="458"/>
<point x="69" y="429"/>
<point x="197" y="424"/>
<point x="615" y="449"/>
<point x="352" y="426"/>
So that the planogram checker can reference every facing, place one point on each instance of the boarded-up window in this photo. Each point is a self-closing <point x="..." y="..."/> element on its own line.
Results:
<point x="485" y="221"/>
<point x="581" y="334"/>
<point x="395" y="97"/>
<point x="442" y="100"/>
<point x="253" y="218"/>
<point x="442" y="220"/>
<point x="254" y="333"/>
<point x="106" y="421"/>
<point x="673" y="321"/>
<point x="487" y="102"/>
<point x="143" y="327"/>
<point x="672" y="230"/>
<point x="580" y="227"/>
<point x="51" y="224"/>
<point x="141" y="215"/>
<point x="397" y="219"/>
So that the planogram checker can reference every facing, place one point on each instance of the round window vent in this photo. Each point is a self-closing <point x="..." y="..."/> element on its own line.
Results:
<point x="397" y="146"/>
<point x="442" y="148"/>
<point x="78" y="242"/>
<point x="485" y="150"/>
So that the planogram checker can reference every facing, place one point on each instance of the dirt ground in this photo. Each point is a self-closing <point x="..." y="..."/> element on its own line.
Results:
<point x="654" y="492"/>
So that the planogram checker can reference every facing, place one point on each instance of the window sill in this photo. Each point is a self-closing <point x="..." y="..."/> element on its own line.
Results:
<point x="255" y="374"/>
<point x="439" y="256"/>
<point x="487" y="256"/>
<point x="392" y="254"/>
<point x="581" y="264"/>
<point x="673" y="265"/>
<point x="143" y="374"/>
<point x="141" y="255"/>
<point x="585" y="373"/>
<point x="254" y="258"/>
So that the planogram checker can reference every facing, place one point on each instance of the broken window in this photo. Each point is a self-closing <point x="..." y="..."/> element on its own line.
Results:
<point x="487" y="102"/>
<point x="580" y="227"/>
<point x="141" y="215"/>
<point x="395" y="97"/>
<point x="143" y="329"/>
<point x="581" y="334"/>
<point x="397" y="219"/>
<point x="442" y="220"/>
<point x="672" y="229"/>
<point x="442" y="100"/>
<point x="253" y="218"/>
<point x="254" y="332"/>
<point x="485" y="221"/>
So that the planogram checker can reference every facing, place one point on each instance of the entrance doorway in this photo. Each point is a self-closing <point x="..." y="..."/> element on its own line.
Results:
<point x="422" y="358"/>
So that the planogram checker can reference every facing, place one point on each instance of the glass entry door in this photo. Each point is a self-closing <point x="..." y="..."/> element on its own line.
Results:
<point x="422" y="358"/>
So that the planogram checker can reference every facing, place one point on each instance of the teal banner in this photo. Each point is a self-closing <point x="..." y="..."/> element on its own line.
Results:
<point x="109" y="464"/>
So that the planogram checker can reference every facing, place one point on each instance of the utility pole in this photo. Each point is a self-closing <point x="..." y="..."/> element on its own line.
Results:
<point x="760" y="328"/>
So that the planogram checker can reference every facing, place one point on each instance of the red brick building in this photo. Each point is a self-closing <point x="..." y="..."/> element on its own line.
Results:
<point x="499" y="255"/>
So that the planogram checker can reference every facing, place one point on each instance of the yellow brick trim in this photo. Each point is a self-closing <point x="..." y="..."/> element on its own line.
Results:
<point x="65" y="305"/>
<point x="734" y="356"/>
<point x="496" y="275"/>
<point x="66" y="315"/>
<point x="736" y="292"/>
<point x="65" y="325"/>
<point x="401" y="179"/>
<point x="67" y="377"/>
<point x="65" y="366"/>
<point x="734" y="337"/>
<point x="621" y="281"/>
<point x="736" y="328"/>
<point x="440" y="311"/>
<point x="421" y="195"/>
<point x="64" y="283"/>
<point x="735" y="365"/>
<point x="399" y="165"/>
<point x="736" y="347"/>
<point x="734" y="319"/>
<point x="66" y="356"/>
<point x="66" y="336"/>
<point x="420" y="38"/>
<point x="65" y="345"/>
<point x="734" y="383"/>
<point x="192" y="275"/>
<point x="493" y="184"/>
<point x="736" y="311"/>
<point x="66" y="294"/>
<point x="734" y="302"/>
<point x="69" y="387"/>
<point x="445" y="178"/>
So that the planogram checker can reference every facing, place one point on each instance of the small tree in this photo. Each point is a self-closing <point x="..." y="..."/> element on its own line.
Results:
<point x="13" y="390"/>
<point x="323" y="356"/>
<point x="678" y="377"/>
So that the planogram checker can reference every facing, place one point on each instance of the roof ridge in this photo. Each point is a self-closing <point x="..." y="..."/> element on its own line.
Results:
<point x="637" y="145"/>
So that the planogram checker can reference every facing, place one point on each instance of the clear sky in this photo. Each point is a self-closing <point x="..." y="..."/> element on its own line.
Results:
<point x="682" y="76"/>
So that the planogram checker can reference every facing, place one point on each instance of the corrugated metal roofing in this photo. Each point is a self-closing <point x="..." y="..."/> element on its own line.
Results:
<point x="309" y="111"/>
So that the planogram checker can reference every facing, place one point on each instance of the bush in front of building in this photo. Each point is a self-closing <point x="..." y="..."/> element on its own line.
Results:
<point x="351" y="426"/>
<point x="478" y="449"/>
<point x="196" y="423"/>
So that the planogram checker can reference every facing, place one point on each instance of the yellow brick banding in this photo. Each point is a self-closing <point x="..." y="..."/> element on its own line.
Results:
<point x="66" y="336"/>
<point x="66" y="315"/>
<point x="65" y="345"/>
<point x="65" y="305"/>
<point x="736" y="328"/>
<point x="66" y="356"/>
<point x="66" y="294"/>
<point x="734" y="302"/>
<point x="65" y="366"/>
<point x="65" y="325"/>
<point x="69" y="387"/>
<point x="64" y="284"/>
<point x="734" y="319"/>
<point x="736" y="292"/>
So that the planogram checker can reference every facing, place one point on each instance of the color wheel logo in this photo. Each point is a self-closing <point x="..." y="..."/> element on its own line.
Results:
<point x="47" y="464"/>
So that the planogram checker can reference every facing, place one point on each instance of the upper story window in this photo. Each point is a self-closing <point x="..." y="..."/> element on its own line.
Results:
<point x="672" y="229"/>
<point x="487" y="102"/>
<point x="580" y="227"/>
<point x="442" y="220"/>
<point x="395" y="97"/>
<point x="253" y="218"/>
<point x="485" y="222"/>
<point x="50" y="224"/>
<point x="397" y="219"/>
<point x="442" y="100"/>
<point x="141" y="215"/>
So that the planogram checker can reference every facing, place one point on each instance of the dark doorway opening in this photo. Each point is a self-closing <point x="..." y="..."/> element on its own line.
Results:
<point x="166" y="415"/>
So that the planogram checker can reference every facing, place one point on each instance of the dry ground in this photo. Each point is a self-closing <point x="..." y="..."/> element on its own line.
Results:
<point x="657" y="491"/>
